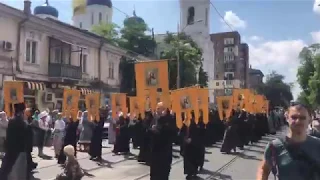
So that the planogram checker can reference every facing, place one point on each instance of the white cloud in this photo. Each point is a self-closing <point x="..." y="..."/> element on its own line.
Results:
<point x="315" y="36"/>
<point x="316" y="7"/>
<point x="255" y="38"/>
<point x="233" y="20"/>
<point x="281" y="56"/>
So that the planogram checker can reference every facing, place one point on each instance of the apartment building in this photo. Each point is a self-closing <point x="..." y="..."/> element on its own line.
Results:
<point x="255" y="78"/>
<point x="231" y="62"/>
<point x="50" y="55"/>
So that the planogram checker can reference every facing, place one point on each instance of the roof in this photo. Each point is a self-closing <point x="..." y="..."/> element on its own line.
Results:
<point x="255" y="71"/>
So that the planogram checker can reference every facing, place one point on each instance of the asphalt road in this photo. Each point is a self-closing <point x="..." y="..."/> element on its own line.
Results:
<point x="238" y="166"/>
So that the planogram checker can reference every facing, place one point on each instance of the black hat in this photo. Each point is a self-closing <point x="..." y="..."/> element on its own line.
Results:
<point x="19" y="107"/>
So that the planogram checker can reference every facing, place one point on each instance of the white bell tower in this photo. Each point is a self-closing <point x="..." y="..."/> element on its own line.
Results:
<point x="195" y="22"/>
<point x="195" y="17"/>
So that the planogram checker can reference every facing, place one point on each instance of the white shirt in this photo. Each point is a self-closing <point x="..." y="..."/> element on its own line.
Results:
<point x="43" y="124"/>
<point x="59" y="124"/>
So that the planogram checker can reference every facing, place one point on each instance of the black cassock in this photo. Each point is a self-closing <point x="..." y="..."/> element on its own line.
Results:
<point x="17" y="137"/>
<point x="95" y="150"/>
<point x="69" y="139"/>
<point x="145" y="142"/>
<point x="161" y="149"/>
<point x="191" y="151"/>
<point x="122" y="144"/>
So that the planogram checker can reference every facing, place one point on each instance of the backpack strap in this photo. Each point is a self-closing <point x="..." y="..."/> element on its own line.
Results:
<point x="274" y="168"/>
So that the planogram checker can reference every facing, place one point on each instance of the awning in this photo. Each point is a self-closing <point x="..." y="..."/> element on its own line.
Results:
<point x="85" y="91"/>
<point x="36" y="86"/>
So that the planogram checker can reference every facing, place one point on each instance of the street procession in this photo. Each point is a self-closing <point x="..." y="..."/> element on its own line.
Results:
<point x="159" y="90"/>
<point x="153" y="120"/>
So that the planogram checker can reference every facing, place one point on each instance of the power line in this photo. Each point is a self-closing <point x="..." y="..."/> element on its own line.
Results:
<point x="217" y="11"/>
<point x="226" y="22"/>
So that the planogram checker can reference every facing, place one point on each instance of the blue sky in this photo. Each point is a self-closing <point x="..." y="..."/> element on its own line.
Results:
<point x="276" y="30"/>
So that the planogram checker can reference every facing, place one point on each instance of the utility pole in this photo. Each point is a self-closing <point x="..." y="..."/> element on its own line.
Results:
<point x="178" y="57"/>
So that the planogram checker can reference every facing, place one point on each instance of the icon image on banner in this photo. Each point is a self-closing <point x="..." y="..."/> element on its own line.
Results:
<point x="225" y="104"/>
<point x="69" y="100"/>
<point x="13" y="94"/>
<point x="118" y="102"/>
<point x="135" y="105"/>
<point x="185" y="102"/>
<point x="152" y="77"/>
<point x="92" y="103"/>
<point x="199" y="101"/>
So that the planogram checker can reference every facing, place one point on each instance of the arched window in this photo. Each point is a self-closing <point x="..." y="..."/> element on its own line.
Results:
<point x="191" y="15"/>
<point x="100" y="17"/>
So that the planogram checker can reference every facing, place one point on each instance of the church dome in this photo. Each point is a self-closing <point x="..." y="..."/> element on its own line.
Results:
<point x="46" y="9"/>
<point x="135" y="18"/>
<point x="100" y="2"/>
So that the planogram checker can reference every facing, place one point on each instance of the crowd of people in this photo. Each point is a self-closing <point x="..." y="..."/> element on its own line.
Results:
<point x="154" y="136"/>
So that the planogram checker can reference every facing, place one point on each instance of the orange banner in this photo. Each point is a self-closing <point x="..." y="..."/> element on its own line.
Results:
<point x="135" y="109"/>
<point x="203" y="102"/>
<point x="225" y="105"/>
<point x="92" y="105"/>
<point x="176" y="107"/>
<point x="119" y="104"/>
<point x="152" y="75"/>
<point x="70" y="103"/>
<point x="13" y="93"/>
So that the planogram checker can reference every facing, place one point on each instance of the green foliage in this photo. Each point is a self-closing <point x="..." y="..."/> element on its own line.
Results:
<point x="309" y="75"/>
<point x="276" y="90"/>
<point x="190" y="56"/>
<point x="108" y="31"/>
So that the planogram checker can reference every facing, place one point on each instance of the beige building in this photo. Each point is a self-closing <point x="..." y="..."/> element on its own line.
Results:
<point x="231" y="63"/>
<point x="49" y="55"/>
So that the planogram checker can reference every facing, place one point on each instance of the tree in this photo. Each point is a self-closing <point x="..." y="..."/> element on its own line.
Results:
<point x="308" y="75"/>
<point x="190" y="58"/>
<point x="276" y="90"/>
<point x="109" y="31"/>
<point x="134" y="39"/>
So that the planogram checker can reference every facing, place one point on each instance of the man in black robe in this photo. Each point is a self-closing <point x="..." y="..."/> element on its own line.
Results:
<point x="161" y="145"/>
<point x="95" y="150"/>
<point x="29" y="143"/>
<point x="16" y="142"/>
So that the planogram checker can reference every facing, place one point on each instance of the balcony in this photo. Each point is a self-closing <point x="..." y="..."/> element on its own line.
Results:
<point x="65" y="71"/>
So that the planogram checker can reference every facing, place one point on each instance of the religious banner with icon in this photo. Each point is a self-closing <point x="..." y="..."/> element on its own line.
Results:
<point x="13" y="93"/>
<point x="152" y="75"/>
<point x="92" y="105"/>
<point x="118" y="104"/>
<point x="225" y="105"/>
<point x="135" y="109"/>
<point x="175" y="100"/>
<point x="194" y="97"/>
<point x="238" y="99"/>
<point x="203" y="103"/>
<point x="245" y="100"/>
<point x="260" y="103"/>
<point x="70" y="103"/>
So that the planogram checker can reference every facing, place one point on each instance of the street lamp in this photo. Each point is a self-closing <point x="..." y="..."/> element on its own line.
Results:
<point x="178" y="51"/>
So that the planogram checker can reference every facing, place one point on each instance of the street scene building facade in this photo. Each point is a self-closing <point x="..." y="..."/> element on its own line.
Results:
<point x="50" y="55"/>
<point x="255" y="78"/>
<point x="231" y="62"/>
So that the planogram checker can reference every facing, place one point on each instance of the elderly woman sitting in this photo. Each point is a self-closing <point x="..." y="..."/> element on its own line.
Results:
<point x="72" y="169"/>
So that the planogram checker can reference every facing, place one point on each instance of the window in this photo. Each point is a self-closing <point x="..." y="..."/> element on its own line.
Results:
<point x="80" y="25"/>
<point x="84" y="63"/>
<point x="228" y="49"/>
<point x="57" y="55"/>
<point x="31" y="51"/>
<point x="217" y="83"/>
<point x="228" y="41"/>
<point x="191" y="13"/>
<point x="100" y="17"/>
<point x="217" y="76"/>
<point x="92" y="18"/>
<point x="111" y="70"/>
<point x="206" y="17"/>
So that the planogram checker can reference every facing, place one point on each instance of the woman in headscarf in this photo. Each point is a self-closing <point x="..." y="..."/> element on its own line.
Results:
<point x="58" y="134"/>
<point x="3" y="131"/>
<point x="86" y="128"/>
<point x="111" y="129"/>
